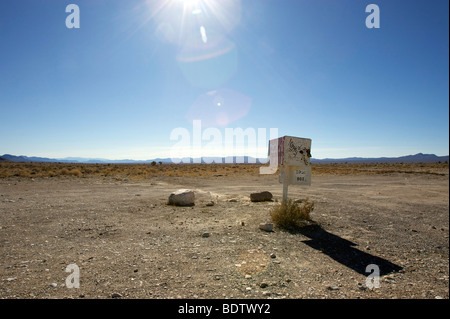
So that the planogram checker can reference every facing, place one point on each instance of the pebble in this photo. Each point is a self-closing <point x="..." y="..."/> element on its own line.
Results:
<point x="53" y="285"/>
<point x="206" y="235"/>
<point x="272" y="255"/>
<point x="268" y="227"/>
<point x="362" y="286"/>
<point x="116" y="295"/>
<point x="263" y="285"/>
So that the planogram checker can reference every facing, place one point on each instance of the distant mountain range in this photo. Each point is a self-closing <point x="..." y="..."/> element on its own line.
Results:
<point x="417" y="158"/>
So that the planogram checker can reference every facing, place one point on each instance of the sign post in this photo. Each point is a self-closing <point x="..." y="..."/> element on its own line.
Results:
<point x="293" y="155"/>
<point x="285" y="182"/>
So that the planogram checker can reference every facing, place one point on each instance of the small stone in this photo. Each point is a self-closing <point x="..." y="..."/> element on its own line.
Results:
<point x="263" y="285"/>
<point x="361" y="286"/>
<point x="332" y="288"/>
<point x="268" y="227"/>
<point x="53" y="285"/>
<point x="210" y="204"/>
<point x="233" y="200"/>
<point x="206" y="235"/>
<point x="272" y="255"/>
<point x="266" y="293"/>
<point x="248" y="276"/>
<point x="116" y="295"/>
<point x="261" y="197"/>
<point x="11" y="279"/>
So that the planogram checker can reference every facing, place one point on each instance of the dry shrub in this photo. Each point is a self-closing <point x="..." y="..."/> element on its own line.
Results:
<point x="76" y="172"/>
<point x="23" y="173"/>
<point x="290" y="214"/>
<point x="64" y="171"/>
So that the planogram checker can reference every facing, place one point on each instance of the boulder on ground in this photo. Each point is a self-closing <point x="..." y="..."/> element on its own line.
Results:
<point x="261" y="197"/>
<point x="182" y="197"/>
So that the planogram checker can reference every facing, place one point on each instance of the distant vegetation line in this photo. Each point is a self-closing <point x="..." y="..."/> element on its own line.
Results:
<point x="121" y="172"/>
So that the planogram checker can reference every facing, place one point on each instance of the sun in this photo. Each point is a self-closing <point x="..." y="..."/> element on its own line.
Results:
<point x="181" y="14"/>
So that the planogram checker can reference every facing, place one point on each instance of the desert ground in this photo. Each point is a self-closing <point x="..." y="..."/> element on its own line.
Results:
<point x="113" y="222"/>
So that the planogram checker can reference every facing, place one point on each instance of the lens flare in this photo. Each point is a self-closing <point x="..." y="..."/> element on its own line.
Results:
<point x="219" y="108"/>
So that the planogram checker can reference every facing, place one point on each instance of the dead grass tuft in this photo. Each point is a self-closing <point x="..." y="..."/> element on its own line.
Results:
<point x="290" y="214"/>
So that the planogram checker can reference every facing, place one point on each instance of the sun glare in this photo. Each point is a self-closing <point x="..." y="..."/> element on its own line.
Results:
<point x="187" y="16"/>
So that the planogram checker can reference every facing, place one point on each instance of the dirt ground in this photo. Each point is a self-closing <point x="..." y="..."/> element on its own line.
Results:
<point x="128" y="243"/>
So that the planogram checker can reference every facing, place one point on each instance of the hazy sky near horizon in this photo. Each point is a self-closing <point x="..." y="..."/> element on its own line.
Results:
<point x="136" y="72"/>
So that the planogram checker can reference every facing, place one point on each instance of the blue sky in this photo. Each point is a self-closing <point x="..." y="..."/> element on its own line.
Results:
<point x="136" y="71"/>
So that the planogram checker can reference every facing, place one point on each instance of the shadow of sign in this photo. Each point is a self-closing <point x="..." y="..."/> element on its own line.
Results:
<point x="343" y="251"/>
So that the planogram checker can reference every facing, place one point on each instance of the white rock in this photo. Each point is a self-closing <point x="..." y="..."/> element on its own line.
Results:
<point x="182" y="197"/>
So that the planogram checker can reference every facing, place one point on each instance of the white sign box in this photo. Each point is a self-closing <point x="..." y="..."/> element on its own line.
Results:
<point x="290" y="151"/>
<point x="293" y="155"/>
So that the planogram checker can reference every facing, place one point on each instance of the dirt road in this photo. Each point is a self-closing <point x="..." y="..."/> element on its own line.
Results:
<point x="128" y="243"/>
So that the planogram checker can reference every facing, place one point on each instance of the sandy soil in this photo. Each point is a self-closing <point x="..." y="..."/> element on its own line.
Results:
<point x="128" y="243"/>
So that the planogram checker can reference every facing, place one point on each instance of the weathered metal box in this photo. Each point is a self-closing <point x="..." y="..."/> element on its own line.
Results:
<point x="293" y="155"/>
<point x="290" y="151"/>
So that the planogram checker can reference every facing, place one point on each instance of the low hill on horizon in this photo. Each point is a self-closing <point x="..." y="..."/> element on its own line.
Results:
<point x="417" y="158"/>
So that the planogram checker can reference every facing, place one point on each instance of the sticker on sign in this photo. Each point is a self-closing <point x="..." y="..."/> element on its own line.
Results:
<point x="296" y="175"/>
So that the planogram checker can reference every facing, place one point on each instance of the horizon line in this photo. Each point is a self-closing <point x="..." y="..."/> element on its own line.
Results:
<point x="77" y="158"/>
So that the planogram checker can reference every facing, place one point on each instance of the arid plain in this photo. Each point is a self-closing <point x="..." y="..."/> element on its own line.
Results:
<point x="113" y="222"/>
